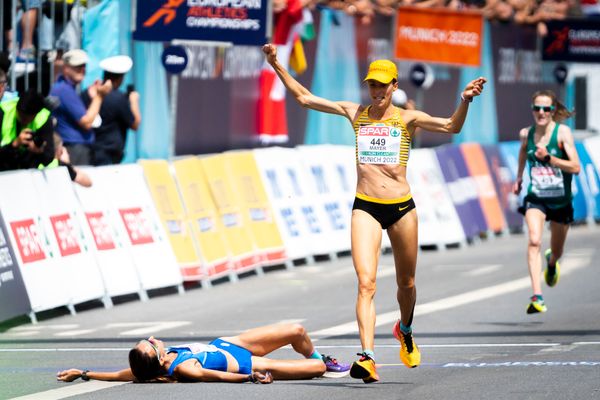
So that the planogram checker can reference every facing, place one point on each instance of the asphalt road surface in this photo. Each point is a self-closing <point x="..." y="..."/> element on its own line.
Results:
<point x="476" y="340"/>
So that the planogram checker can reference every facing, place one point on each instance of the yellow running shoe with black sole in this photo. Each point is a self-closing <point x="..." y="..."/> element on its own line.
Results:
<point x="364" y="369"/>
<point x="409" y="352"/>
<point x="551" y="275"/>
<point x="536" y="305"/>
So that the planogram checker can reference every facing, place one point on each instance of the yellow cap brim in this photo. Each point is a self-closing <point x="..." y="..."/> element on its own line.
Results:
<point x="379" y="77"/>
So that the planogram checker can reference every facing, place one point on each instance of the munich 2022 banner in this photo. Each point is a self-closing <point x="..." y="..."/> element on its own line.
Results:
<point x="243" y="22"/>
<point x="572" y="40"/>
<point x="438" y="36"/>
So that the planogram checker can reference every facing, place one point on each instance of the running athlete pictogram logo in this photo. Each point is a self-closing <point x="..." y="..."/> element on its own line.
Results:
<point x="168" y="11"/>
<point x="560" y="41"/>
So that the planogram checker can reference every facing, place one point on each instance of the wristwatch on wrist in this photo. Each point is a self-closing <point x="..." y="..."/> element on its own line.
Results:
<point x="84" y="376"/>
<point x="546" y="158"/>
<point x="252" y="378"/>
<point x="462" y="97"/>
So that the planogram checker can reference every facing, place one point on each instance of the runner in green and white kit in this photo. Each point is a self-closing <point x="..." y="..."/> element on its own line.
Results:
<point x="549" y="149"/>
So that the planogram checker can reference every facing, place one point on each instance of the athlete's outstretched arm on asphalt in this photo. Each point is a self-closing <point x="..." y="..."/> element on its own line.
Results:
<point x="303" y="95"/>
<point x="69" y="375"/>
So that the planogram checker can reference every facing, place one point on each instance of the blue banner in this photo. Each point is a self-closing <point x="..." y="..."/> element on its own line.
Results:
<point x="590" y="182"/>
<point x="503" y="182"/>
<point x="243" y="22"/>
<point x="463" y="195"/>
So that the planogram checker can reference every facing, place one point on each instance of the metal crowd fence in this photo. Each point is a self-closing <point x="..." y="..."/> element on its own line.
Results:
<point x="52" y="19"/>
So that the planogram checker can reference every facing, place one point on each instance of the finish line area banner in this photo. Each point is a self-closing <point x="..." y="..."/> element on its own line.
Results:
<point x="240" y="22"/>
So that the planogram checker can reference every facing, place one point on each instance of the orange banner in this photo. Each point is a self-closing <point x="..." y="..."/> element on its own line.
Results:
<point x="439" y="36"/>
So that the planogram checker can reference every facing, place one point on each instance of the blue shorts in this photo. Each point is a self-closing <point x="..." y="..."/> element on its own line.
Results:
<point x="241" y="355"/>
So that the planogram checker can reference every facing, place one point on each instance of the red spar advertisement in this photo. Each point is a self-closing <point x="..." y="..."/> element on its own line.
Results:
<point x="138" y="227"/>
<point x="439" y="36"/>
<point x="28" y="240"/>
<point x="100" y="230"/>
<point x="66" y="234"/>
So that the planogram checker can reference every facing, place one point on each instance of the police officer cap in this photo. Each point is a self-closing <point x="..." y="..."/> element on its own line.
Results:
<point x="117" y="64"/>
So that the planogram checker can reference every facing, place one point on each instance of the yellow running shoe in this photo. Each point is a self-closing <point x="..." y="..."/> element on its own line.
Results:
<point x="551" y="275"/>
<point x="364" y="369"/>
<point x="536" y="305"/>
<point x="409" y="352"/>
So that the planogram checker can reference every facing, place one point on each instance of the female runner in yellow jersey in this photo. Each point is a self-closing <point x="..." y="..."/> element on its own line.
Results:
<point x="383" y="200"/>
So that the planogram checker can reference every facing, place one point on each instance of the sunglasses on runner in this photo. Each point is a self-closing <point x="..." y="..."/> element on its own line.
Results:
<point x="542" y="108"/>
<point x="155" y="347"/>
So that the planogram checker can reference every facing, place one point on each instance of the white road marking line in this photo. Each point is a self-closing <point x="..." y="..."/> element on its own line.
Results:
<point x="483" y="270"/>
<point x="71" y="390"/>
<point x="147" y="328"/>
<point x="333" y="346"/>
<point x="586" y="343"/>
<point x="571" y="263"/>
<point x="75" y="332"/>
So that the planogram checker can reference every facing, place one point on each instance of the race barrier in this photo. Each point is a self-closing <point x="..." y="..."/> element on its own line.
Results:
<point x="238" y="238"/>
<point x="203" y="217"/>
<point x="320" y="179"/>
<point x="439" y="223"/>
<point x="156" y="224"/>
<point x="247" y="185"/>
<point x="171" y="211"/>
<point x="134" y="215"/>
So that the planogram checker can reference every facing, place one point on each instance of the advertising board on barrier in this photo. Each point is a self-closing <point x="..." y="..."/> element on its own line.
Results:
<point x="438" y="36"/>
<point x="46" y="280"/>
<point x="257" y="211"/>
<point x="245" y="22"/>
<point x="238" y="237"/>
<point x="488" y="198"/>
<point x="13" y="295"/>
<point x="503" y="181"/>
<point x="462" y="190"/>
<point x="172" y="214"/>
<point x="71" y="240"/>
<point x="572" y="40"/>
<point x="590" y="181"/>
<point x="134" y="215"/>
<point x="203" y="218"/>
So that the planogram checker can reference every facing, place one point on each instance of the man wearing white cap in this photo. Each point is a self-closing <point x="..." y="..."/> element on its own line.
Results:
<point x="119" y="113"/>
<point x="74" y="119"/>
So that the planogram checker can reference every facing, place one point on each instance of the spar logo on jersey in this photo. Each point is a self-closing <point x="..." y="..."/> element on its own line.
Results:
<point x="372" y="130"/>
<point x="378" y="131"/>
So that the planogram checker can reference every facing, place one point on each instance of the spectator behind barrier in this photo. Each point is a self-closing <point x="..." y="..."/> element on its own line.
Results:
<point x="26" y="133"/>
<point x="74" y="119"/>
<point x="119" y="112"/>
<point x="61" y="159"/>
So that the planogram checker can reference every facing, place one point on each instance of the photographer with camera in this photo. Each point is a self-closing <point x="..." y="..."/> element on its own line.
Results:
<point x="26" y="127"/>
<point x="119" y="112"/>
<point x="75" y="120"/>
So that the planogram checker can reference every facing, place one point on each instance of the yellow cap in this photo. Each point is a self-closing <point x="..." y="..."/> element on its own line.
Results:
<point x="382" y="71"/>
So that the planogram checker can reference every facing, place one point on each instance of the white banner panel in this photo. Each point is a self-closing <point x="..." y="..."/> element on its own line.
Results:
<point x="274" y="167"/>
<point x="320" y="185"/>
<point x="592" y="145"/>
<point x="72" y="241"/>
<point x="439" y="223"/>
<point x="126" y="189"/>
<point x="108" y="240"/>
<point x="46" y="279"/>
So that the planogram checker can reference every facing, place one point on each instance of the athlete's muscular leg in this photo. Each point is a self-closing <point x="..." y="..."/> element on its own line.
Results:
<point x="265" y="339"/>
<point x="366" y="247"/>
<point x="289" y="369"/>
<point x="535" y="225"/>
<point x="558" y="236"/>
<point x="405" y="243"/>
